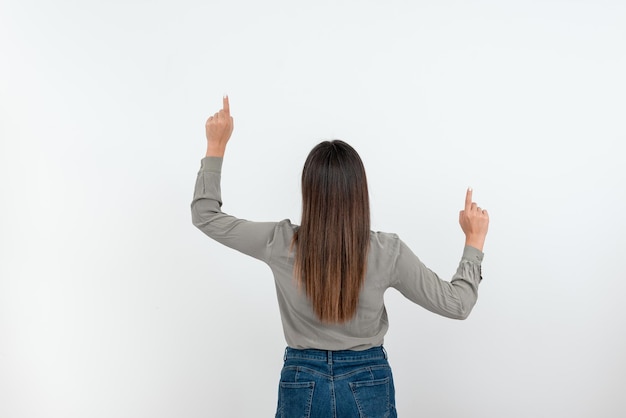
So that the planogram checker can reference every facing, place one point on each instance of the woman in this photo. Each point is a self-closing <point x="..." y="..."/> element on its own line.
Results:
<point x="331" y="273"/>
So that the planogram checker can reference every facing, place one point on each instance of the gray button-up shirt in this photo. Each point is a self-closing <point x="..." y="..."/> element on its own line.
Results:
<point x="390" y="264"/>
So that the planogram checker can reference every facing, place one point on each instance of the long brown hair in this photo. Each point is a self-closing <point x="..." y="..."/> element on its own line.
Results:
<point x="332" y="242"/>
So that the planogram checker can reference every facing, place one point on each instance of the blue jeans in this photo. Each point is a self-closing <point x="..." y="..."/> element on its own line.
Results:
<point x="336" y="384"/>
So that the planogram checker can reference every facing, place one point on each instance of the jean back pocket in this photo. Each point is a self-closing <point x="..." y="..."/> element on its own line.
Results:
<point x="372" y="398"/>
<point x="294" y="399"/>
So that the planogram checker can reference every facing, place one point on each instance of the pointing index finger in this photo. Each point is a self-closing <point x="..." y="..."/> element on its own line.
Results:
<point x="468" y="199"/>
<point x="225" y="104"/>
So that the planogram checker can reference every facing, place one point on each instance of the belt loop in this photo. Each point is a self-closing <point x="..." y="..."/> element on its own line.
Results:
<point x="329" y="356"/>
<point x="384" y="351"/>
<point x="285" y="356"/>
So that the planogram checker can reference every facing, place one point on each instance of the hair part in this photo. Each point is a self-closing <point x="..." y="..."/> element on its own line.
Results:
<point x="332" y="241"/>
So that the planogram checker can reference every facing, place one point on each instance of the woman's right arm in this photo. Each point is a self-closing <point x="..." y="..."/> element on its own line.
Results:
<point x="456" y="298"/>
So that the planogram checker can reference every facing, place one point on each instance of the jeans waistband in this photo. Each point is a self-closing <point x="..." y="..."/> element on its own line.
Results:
<point x="330" y="356"/>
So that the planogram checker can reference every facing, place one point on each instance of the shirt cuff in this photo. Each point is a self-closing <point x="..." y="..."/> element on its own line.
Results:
<point x="212" y="164"/>
<point x="473" y="254"/>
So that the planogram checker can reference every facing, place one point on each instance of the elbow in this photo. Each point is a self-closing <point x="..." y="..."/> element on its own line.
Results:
<point x="206" y="218"/>
<point x="196" y="223"/>
<point x="466" y="300"/>
<point x="464" y="312"/>
<point x="463" y="315"/>
<point x="196" y="220"/>
<point x="199" y="218"/>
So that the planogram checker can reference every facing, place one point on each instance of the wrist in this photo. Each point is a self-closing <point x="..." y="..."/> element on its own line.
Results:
<point x="475" y="242"/>
<point x="215" y="150"/>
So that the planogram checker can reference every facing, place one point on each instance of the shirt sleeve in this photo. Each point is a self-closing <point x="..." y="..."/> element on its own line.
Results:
<point x="251" y="238"/>
<point x="454" y="299"/>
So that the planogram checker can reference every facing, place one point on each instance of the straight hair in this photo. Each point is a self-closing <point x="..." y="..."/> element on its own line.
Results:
<point x="332" y="242"/>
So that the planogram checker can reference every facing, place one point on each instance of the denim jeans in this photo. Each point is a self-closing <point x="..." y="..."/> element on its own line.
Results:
<point x="336" y="384"/>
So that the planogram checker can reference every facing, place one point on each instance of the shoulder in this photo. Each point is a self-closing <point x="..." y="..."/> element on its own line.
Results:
<point x="382" y="257"/>
<point x="283" y="232"/>
<point x="280" y="244"/>
<point x="387" y="242"/>
<point x="286" y="225"/>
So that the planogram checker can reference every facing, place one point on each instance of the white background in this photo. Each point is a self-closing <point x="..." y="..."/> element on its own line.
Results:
<point x="113" y="305"/>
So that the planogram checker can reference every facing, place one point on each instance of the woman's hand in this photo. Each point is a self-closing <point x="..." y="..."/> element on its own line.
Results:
<point x="474" y="222"/>
<point x="218" y="127"/>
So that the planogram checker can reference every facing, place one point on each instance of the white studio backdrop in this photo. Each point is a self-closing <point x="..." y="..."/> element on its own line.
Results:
<point x="113" y="305"/>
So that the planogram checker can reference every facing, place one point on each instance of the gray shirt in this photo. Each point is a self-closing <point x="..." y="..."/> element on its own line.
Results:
<point x="390" y="264"/>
